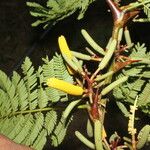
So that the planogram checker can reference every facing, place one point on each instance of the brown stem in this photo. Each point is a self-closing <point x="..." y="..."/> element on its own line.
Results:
<point x="95" y="108"/>
<point x="116" y="12"/>
<point x="95" y="73"/>
<point x="120" y="16"/>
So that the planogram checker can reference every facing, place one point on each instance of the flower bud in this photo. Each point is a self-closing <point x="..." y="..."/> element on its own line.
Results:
<point x="65" y="86"/>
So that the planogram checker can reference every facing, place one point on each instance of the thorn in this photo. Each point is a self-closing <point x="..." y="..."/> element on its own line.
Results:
<point x="120" y="15"/>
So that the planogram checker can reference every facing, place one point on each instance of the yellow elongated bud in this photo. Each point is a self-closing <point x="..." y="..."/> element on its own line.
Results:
<point x="64" y="47"/>
<point x="65" y="50"/>
<point x="64" y="86"/>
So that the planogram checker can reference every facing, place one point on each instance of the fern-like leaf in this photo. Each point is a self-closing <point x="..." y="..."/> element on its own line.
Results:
<point x="21" y="90"/>
<point x="40" y="141"/>
<point x="42" y="96"/>
<point x="50" y="121"/>
<point x="35" y="129"/>
<point x="9" y="89"/>
<point x="146" y="10"/>
<point x="57" y="10"/>
<point x="60" y="132"/>
<point x="25" y="129"/>
<point x="25" y="113"/>
<point x="61" y="73"/>
<point x="4" y="103"/>
<point x="139" y="81"/>
<point x="30" y="82"/>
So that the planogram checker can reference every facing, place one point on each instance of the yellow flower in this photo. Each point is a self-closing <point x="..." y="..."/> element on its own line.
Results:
<point x="64" y="86"/>
<point x="64" y="47"/>
<point x="65" y="50"/>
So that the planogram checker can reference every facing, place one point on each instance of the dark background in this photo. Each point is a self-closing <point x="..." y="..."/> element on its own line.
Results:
<point x="18" y="39"/>
<point x="17" y="36"/>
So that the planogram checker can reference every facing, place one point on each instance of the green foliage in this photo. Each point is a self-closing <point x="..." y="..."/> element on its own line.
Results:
<point x="60" y="131"/>
<point x="139" y="81"/>
<point x="26" y="115"/>
<point x="57" y="10"/>
<point x="146" y="10"/>
<point x="143" y="136"/>
<point x="137" y="85"/>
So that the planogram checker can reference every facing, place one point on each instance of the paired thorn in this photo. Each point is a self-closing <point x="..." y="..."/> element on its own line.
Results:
<point x="120" y="15"/>
<point x="119" y="64"/>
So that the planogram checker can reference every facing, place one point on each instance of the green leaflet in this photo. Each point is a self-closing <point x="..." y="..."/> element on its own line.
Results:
<point x="123" y="109"/>
<point x="30" y="83"/>
<point x="128" y="91"/>
<point x="60" y="69"/>
<point x="53" y="4"/>
<point x="60" y="131"/>
<point x="146" y="10"/>
<point x="9" y="89"/>
<point x="56" y="10"/>
<point x="143" y="136"/>
<point x="144" y="96"/>
<point x="25" y="113"/>
<point x="35" y="129"/>
<point x="4" y="103"/>
<point x="42" y="96"/>
<point x="25" y="129"/>
<point x="21" y="90"/>
<point x="18" y="124"/>
<point x="50" y="121"/>
<point x="7" y="125"/>
<point x="40" y="141"/>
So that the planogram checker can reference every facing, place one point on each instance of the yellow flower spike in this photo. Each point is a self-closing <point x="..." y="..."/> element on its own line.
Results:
<point x="64" y="47"/>
<point x="64" y="86"/>
<point x="65" y="50"/>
